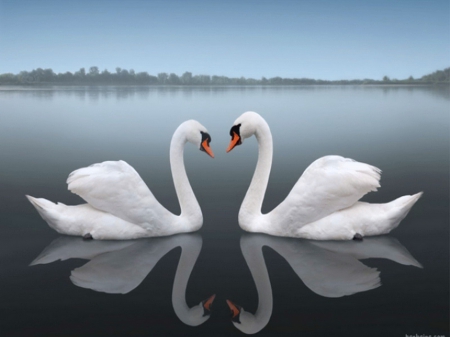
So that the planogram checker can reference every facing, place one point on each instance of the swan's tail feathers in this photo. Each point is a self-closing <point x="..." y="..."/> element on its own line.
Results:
<point x="49" y="211"/>
<point x="399" y="208"/>
<point x="43" y="206"/>
<point x="406" y="202"/>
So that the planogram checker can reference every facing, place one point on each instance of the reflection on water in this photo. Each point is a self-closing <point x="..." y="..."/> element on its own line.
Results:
<point x="118" y="267"/>
<point x="95" y="93"/>
<point x="328" y="268"/>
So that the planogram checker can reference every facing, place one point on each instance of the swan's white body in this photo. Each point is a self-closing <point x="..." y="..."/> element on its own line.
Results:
<point x="329" y="269"/>
<point x="323" y="204"/>
<point x="118" y="267"/>
<point x="119" y="203"/>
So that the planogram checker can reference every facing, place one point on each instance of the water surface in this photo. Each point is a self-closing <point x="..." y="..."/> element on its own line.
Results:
<point x="45" y="133"/>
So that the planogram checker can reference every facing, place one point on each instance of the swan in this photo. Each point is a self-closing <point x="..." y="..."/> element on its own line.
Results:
<point x="118" y="267"/>
<point x="323" y="204"/>
<point x="119" y="203"/>
<point x="329" y="269"/>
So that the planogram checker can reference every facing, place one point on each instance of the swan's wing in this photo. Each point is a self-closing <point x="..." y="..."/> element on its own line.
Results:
<point x="121" y="271"/>
<point x="329" y="184"/>
<point x="116" y="188"/>
<point x="334" y="275"/>
<point x="325" y="272"/>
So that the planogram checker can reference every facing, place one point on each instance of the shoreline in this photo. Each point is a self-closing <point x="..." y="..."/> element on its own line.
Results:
<point x="109" y="85"/>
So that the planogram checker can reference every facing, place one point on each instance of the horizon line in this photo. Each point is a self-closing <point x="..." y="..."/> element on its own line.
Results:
<point x="95" y="71"/>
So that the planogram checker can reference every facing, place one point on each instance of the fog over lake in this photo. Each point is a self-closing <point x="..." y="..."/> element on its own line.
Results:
<point x="47" y="132"/>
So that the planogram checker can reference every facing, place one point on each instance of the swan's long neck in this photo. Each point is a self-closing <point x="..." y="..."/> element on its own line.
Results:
<point x="190" y="209"/>
<point x="251" y="206"/>
<point x="251" y="248"/>
<point x="190" y="249"/>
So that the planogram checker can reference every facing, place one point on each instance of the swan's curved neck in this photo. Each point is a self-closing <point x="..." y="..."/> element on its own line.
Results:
<point x="190" y="250"/>
<point x="190" y="209"/>
<point x="252" y="251"/>
<point x="251" y="206"/>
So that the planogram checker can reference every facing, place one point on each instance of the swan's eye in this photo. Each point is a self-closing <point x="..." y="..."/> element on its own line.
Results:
<point x="204" y="145"/>
<point x="235" y="130"/>
<point x="235" y="137"/>
<point x="205" y="136"/>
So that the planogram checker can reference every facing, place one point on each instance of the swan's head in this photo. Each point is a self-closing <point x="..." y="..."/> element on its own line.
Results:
<point x="197" y="134"/>
<point x="244" y="321"/>
<point x="198" y="314"/>
<point x="244" y="127"/>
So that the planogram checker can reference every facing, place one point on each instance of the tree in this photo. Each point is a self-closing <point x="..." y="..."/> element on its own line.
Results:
<point x="80" y="75"/>
<point x="437" y="76"/>
<point x="66" y="77"/>
<point x="48" y="75"/>
<point x="124" y="76"/>
<point x="174" y="79"/>
<point x="105" y="76"/>
<point x="219" y="80"/>
<point x="25" y="77"/>
<point x="186" y="78"/>
<point x="93" y="71"/>
<point x="143" y="78"/>
<point x="162" y="78"/>
<point x="8" y="79"/>
<point x="276" y="80"/>
<point x="202" y="79"/>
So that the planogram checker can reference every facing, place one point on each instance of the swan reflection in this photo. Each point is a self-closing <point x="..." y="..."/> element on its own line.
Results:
<point x="328" y="268"/>
<point x="118" y="267"/>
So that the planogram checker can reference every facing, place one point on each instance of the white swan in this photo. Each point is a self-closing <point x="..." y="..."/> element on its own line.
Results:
<point x="120" y="205"/>
<point x="323" y="204"/>
<point x="329" y="269"/>
<point x="118" y="267"/>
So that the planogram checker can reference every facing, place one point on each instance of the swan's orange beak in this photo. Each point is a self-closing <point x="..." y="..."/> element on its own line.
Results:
<point x="234" y="309"/>
<point x="206" y="148"/>
<point x="208" y="303"/>
<point x="235" y="140"/>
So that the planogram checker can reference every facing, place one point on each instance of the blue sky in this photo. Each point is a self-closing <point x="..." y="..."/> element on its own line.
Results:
<point x="320" y="39"/>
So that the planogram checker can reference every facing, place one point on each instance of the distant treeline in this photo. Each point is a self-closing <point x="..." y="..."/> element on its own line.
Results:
<point x="129" y="77"/>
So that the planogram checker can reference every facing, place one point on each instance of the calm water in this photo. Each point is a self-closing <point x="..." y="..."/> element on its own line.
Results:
<point x="133" y="288"/>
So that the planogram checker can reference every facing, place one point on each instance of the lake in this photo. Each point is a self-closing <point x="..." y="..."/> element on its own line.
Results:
<point x="391" y="285"/>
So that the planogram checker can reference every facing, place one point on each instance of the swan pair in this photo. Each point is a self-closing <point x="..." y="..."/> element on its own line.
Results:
<point x="322" y="205"/>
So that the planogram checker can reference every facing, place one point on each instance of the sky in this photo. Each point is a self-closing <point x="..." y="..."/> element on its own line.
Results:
<point x="321" y="39"/>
